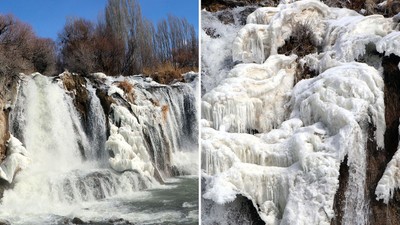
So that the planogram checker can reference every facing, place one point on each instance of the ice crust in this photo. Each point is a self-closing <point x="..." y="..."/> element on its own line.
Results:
<point x="17" y="158"/>
<point x="280" y="143"/>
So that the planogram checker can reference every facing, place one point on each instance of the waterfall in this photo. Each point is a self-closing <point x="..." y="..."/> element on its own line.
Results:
<point x="75" y="146"/>
<point x="63" y="168"/>
<point x="96" y="127"/>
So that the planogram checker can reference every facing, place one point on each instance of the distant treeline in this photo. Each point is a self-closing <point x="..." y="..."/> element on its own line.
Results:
<point x="122" y="41"/>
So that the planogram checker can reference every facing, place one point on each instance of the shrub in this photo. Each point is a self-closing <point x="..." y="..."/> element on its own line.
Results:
<point x="166" y="73"/>
<point x="129" y="91"/>
<point x="125" y="86"/>
<point x="301" y="42"/>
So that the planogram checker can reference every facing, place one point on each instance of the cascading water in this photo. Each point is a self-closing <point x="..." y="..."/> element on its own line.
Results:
<point x="96" y="127"/>
<point x="69" y="174"/>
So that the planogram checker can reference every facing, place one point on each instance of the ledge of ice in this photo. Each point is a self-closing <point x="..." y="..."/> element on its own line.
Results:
<point x="17" y="158"/>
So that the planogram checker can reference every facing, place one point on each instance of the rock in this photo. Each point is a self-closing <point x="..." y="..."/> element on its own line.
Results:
<point x="4" y="222"/>
<point x="8" y="92"/>
<point x="76" y="85"/>
<point x="243" y="14"/>
<point x="226" y="17"/>
<point x="76" y="220"/>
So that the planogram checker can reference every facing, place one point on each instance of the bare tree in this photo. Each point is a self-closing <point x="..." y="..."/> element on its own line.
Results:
<point x="21" y="50"/>
<point x="76" y="41"/>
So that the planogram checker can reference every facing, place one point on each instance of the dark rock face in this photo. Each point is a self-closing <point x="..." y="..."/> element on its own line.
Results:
<point x="243" y="14"/>
<point x="339" y="201"/>
<point x="240" y="211"/>
<point x="226" y="17"/>
<point x="76" y="220"/>
<point x="8" y="91"/>
<point x="377" y="159"/>
<point x="76" y="85"/>
<point x="4" y="134"/>
<point x="4" y="222"/>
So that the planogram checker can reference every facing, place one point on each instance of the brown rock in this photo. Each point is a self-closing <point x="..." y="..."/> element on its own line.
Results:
<point x="76" y="85"/>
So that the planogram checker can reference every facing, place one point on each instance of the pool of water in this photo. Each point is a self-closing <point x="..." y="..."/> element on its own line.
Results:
<point x="175" y="202"/>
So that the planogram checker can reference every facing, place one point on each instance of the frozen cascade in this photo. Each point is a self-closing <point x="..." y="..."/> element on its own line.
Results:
<point x="159" y="135"/>
<point x="286" y="158"/>
<point x="327" y="123"/>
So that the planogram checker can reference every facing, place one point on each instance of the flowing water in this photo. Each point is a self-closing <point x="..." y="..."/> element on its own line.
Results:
<point x="173" y="203"/>
<point x="68" y="175"/>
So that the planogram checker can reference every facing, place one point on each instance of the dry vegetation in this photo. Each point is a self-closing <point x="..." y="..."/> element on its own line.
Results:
<point x="301" y="42"/>
<point x="370" y="6"/>
<point x="167" y="73"/>
<point x="164" y="110"/>
<point x="22" y="51"/>
<point x="127" y="87"/>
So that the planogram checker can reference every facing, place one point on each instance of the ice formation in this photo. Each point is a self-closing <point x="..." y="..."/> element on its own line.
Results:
<point x="281" y="143"/>
<point x="17" y="158"/>
<point x="390" y="179"/>
<point x="242" y="101"/>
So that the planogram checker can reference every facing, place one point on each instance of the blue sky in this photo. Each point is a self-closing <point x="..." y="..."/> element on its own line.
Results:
<point x="47" y="17"/>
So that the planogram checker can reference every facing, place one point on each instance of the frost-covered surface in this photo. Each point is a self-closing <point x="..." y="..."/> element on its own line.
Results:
<point x="216" y="59"/>
<point x="17" y="158"/>
<point x="281" y="145"/>
<point x="242" y="101"/>
<point x="296" y="166"/>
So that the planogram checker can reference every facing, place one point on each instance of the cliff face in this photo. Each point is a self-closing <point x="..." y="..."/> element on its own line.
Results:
<point x="8" y="90"/>
<point x="4" y="135"/>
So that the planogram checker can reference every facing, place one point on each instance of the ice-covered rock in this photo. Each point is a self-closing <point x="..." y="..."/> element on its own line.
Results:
<point x="253" y="97"/>
<point x="296" y="167"/>
<point x="17" y="159"/>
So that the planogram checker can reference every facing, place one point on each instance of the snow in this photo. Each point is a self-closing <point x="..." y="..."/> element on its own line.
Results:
<point x="17" y="158"/>
<point x="114" y="89"/>
<point x="99" y="75"/>
<point x="390" y="44"/>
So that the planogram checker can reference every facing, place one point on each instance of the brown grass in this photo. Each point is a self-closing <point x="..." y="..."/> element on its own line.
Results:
<point x="166" y="73"/>
<point x="129" y="90"/>
<point x="164" y="110"/>
<point x="125" y="86"/>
